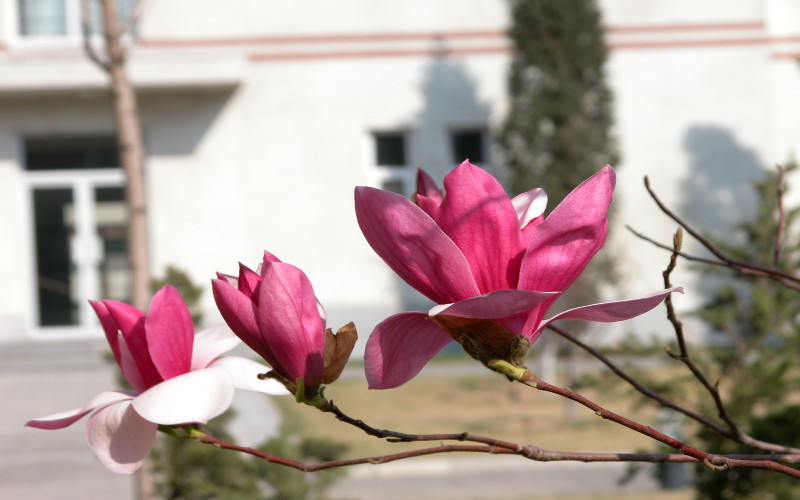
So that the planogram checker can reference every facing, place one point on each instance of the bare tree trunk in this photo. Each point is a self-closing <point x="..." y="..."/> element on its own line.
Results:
<point x="131" y="149"/>
<point x="132" y="155"/>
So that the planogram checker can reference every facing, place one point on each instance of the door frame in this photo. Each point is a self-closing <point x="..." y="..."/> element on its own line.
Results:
<point x="82" y="182"/>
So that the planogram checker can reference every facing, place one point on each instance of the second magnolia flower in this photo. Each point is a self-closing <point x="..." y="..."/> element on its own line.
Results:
<point x="275" y="312"/>
<point x="494" y="265"/>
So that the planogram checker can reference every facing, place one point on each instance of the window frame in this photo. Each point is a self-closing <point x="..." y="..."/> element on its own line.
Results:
<point x="481" y="129"/>
<point x="72" y="38"/>
<point x="379" y="174"/>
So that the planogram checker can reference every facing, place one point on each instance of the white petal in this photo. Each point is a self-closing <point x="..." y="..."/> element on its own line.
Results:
<point x="210" y="343"/>
<point x="119" y="437"/>
<point x="245" y="375"/>
<point x="65" y="418"/>
<point x="194" y="397"/>
<point x="529" y="205"/>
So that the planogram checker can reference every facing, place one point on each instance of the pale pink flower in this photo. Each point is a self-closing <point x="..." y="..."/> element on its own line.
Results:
<point x="275" y="312"/>
<point x="176" y="376"/>
<point x="482" y="256"/>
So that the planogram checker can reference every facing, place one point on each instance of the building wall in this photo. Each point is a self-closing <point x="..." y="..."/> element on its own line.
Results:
<point x="258" y="119"/>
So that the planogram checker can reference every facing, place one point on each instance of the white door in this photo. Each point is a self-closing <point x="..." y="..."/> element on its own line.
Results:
<point x="78" y="237"/>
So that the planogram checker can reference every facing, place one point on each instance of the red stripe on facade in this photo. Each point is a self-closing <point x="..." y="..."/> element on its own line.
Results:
<point x="786" y="55"/>
<point x="364" y="54"/>
<point x="663" y="28"/>
<point x="330" y="38"/>
<point x="449" y="35"/>
<point x="488" y="35"/>
<point x="673" y="44"/>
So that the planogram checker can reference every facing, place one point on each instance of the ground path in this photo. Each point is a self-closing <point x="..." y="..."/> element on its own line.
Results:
<point x="41" y="378"/>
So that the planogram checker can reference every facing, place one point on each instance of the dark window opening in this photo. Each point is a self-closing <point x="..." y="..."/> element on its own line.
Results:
<point x="390" y="149"/>
<point x="65" y="152"/>
<point x="468" y="144"/>
<point x="55" y="279"/>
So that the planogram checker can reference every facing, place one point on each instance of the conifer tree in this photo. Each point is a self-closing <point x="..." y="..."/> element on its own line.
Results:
<point x="756" y="324"/>
<point x="557" y="129"/>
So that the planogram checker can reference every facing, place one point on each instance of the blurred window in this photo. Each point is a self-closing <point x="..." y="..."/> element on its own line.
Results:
<point x="62" y="18"/>
<point x="43" y="17"/>
<point x="468" y="144"/>
<point x="390" y="170"/>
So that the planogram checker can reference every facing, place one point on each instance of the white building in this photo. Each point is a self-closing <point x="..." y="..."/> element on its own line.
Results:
<point x="261" y="116"/>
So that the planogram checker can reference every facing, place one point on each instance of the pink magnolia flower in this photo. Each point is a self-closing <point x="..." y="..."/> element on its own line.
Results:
<point x="275" y="312"/>
<point x="176" y="376"/>
<point x="494" y="265"/>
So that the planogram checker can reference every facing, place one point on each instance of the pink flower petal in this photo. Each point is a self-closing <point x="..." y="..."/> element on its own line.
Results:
<point x="493" y="305"/>
<point x="399" y="347"/>
<point x="210" y="343"/>
<point x="565" y="242"/>
<point x="268" y="257"/>
<point x="238" y="312"/>
<point x="131" y="322"/>
<point x="65" y="418"/>
<point x="428" y="205"/>
<point x="427" y="187"/>
<point x="233" y="280"/>
<point x="128" y="366"/>
<point x="170" y="333"/>
<point x="609" y="312"/>
<point x="478" y="216"/>
<point x="248" y="281"/>
<point x="290" y="322"/>
<point x="411" y="243"/>
<point x="245" y="375"/>
<point x="120" y="438"/>
<point x="194" y="397"/>
<point x="109" y="327"/>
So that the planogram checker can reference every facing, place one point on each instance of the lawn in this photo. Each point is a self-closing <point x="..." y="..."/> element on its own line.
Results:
<point x="481" y="403"/>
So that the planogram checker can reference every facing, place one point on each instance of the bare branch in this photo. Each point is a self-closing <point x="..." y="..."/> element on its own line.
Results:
<point x="717" y="462"/>
<point x="134" y="16"/>
<point x="530" y="452"/>
<point x="638" y="386"/>
<point x="787" y="279"/>
<point x="86" y="31"/>
<point x="737" y="434"/>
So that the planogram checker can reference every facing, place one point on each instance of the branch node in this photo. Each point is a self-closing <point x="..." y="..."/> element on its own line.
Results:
<point x="709" y="463"/>
<point x="677" y="240"/>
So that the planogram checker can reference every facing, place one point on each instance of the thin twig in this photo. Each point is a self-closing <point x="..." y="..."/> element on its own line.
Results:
<point x="683" y="355"/>
<point x="722" y="430"/>
<point x="677" y="242"/>
<point x="781" y="218"/>
<point x="638" y="385"/>
<point x="735" y="432"/>
<point x="133" y="18"/>
<point x="530" y="452"/>
<point x="717" y="462"/>
<point x="743" y="270"/>
<point x="670" y="248"/>
<point x="775" y="274"/>
<point x="86" y="32"/>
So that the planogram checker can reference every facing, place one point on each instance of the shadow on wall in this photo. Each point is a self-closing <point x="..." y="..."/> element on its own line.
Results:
<point x="176" y="123"/>
<point x="450" y="103"/>
<point x="718" y="193"/>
